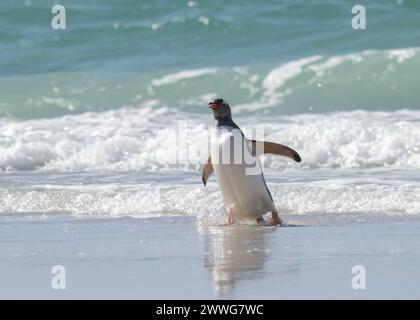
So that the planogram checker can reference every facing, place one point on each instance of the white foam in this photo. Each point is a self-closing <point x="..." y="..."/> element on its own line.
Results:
<point x="356" y="199"/>
<point x="401" y="55"/>
<point x="182" y="75"/>
<point x="151" y="139"/>
<point x="335" y="197"/>
<point x="277" y="77"/>
<point x="143" y="201"/>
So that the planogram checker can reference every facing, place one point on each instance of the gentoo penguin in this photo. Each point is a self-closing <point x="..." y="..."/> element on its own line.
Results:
<point x="234" y="160"/>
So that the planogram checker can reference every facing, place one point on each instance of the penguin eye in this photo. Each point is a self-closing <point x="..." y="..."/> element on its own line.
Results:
<point x="218" y="101"/>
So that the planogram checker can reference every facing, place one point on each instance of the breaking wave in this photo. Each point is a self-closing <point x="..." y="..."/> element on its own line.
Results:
<point x="166" y="139"/>
<point x="376" y="80"/>
<point x="358" y="200"/>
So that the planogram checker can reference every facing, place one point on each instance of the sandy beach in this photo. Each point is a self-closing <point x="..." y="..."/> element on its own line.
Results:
<point x="174" y="258"/>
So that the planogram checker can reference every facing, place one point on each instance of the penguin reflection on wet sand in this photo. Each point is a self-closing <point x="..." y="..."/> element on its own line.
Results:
<point x="245" y="193"/>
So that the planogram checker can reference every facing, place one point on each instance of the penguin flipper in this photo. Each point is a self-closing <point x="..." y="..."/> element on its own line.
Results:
<point x="266" y="147"/>
<point x="207" y="170"/>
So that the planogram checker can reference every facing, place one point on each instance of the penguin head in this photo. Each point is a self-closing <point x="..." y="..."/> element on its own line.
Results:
<point x="221" y="109"/>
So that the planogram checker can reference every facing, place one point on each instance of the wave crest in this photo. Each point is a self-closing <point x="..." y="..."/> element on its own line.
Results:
<point x="166" y="139"/>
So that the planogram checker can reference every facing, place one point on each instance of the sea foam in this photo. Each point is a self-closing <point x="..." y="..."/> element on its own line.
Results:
<point x="152" y="140"/>
<point x="326" y="200"/>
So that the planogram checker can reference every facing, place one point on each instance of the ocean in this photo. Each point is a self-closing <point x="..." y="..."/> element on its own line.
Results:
<point x="88" y="113"/>
<point x="92" y="117"/>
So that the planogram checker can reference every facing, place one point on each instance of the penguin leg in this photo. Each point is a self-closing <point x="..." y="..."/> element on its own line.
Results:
<point x="275" y="219"/>
<point x="229" y="222"/>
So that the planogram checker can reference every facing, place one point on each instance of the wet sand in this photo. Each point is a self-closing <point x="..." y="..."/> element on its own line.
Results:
<point x="174" y="258"/>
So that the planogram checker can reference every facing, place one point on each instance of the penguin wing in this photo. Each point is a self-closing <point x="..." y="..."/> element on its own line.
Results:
<point x="266" y="147"/>
<point x="207" y="170"/>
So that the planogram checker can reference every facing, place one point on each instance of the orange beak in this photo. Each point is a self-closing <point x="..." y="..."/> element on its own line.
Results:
<point x="214" y="105"/>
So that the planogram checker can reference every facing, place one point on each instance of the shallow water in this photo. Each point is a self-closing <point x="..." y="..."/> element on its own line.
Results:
<point x="172" y="258"/>
<point x="303" y="197"/>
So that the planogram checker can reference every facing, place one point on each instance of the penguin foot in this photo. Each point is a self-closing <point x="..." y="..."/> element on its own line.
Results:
<point x="229" y="222"/>
<point x="275" y="222"/>
<point x="275" y="219"/>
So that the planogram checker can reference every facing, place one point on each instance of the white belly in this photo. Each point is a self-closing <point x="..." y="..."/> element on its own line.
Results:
<point x="244" y="193"/>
